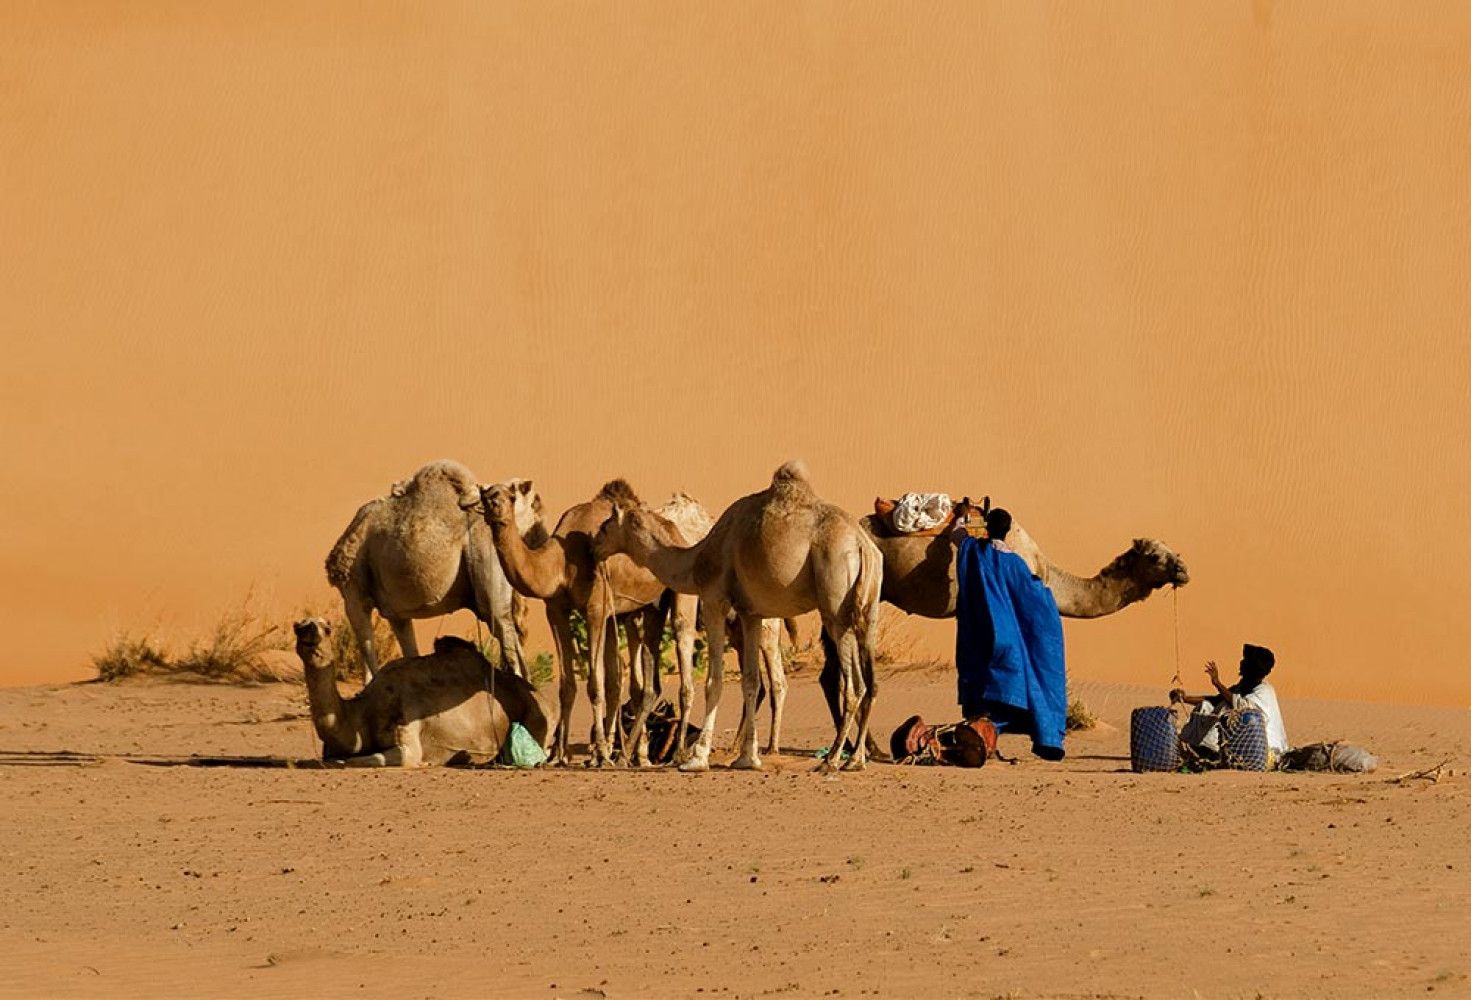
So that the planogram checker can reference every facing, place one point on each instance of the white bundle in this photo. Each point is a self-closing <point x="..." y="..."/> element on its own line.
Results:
<point x="920" y="512"/>
<point x="1345" y="757"/>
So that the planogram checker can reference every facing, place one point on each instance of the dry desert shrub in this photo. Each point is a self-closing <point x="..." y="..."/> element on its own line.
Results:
<point x="895" y="647"/>
<point x="243" y="647"/>
<point x="1079" y="716"/>
<point x="130" y="656"/>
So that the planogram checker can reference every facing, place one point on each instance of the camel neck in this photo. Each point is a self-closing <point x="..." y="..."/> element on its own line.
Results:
<point x="331" y="716"/>
<point x="666" y="555"/>
<point x="1102" y="594"/>
<point x="534" y="572"/>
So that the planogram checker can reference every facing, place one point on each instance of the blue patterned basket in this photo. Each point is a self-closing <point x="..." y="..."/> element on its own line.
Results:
<point x="1154" y="743"/>
<point x="1244" y="740"/>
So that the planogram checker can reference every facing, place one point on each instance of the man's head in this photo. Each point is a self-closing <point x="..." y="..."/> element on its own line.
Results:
<point x="998" y="524"/>
<point x="1256" y="662"/>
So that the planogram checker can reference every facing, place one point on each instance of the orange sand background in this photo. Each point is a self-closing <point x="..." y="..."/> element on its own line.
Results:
<point x="1196" y="272"/>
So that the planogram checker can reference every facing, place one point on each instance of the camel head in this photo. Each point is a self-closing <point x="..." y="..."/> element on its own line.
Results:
<point x="1155" y="565"/>
<point x="312" y="641"/>
<point x="611" y="538"/>
<point x="525" y="503"/>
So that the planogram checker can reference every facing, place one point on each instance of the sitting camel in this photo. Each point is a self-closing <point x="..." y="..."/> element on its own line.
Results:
<point x="774" y="554"/>
<point x="564" y="573"/>
<point x="449" y="707"/>
<point x="919" y="579"/>
<point x="420" y="552"/>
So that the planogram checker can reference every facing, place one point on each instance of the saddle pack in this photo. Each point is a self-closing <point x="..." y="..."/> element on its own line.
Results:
<point x="958" y="744"/>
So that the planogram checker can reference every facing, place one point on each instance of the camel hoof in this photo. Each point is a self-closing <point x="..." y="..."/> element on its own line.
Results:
<point x="826" y="767"/>
<point x="744" y="763"/>
<point x="854" y="764"/>
<point x="695" y="764"/>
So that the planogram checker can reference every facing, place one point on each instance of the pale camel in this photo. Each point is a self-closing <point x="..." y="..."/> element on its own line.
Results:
<point x="919" y="578"/>
<point x="421" y="552"/>
<point x="774" y="554"/>
<point x="564" y="573"/>
<point x="694" y="523"/>
<point x="435" y="709"/>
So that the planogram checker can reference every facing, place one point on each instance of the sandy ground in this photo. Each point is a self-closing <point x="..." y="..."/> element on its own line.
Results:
<point x="128" y="873"/>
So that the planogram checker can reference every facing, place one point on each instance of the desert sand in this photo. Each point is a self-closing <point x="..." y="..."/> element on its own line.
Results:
<point x="130" y="873"/>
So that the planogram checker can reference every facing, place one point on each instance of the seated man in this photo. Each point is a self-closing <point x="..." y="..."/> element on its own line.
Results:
<point x="1202" y="730"/>
<point x="1008" y="639"/>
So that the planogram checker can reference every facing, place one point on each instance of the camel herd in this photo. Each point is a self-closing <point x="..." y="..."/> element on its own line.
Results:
<point x="440" y="542"/>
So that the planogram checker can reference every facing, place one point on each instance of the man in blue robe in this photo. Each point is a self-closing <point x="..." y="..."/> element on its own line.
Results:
<point x="1008" y="640"/>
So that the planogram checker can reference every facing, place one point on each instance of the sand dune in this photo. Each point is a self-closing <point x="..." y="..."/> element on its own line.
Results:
<point x="1196" y="274"/>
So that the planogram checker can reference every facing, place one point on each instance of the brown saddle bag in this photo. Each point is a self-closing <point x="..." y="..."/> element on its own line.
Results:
<point x="959" y="744"/>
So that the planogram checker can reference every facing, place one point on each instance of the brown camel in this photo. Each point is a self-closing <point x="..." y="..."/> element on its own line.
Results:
<point x="435" y="709"/>
<point x="421" y="552"/>
<point x="919" y="578"/>
<point x="774" y="554"/>
<point x="564" y="573"/>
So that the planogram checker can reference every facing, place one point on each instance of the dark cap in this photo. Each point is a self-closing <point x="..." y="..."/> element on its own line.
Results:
<point x="1258" y="659"/>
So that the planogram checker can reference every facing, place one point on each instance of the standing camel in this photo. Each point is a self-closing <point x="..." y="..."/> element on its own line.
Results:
<point x="421" y="552"/>
<point x="919" y="579"/>
<point x="564" y="573"/>
<point x="774" y="554"/>
<point x="694" y="523"/>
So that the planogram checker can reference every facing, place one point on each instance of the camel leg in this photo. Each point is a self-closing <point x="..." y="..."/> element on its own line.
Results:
<point x="644" y="659"/>
<point x="863" y="691"/>
<point x="392" y="757"/>
<point x="360" y="617"/>
<point x="599" y="624"/>
<point x="845" y="643"/>
<point x="714" y="615"/>
<point x="495" y="604"/>
<point x="776" y="681"/>
<point x="561" y="624"/>
<point x="403" y="631"/>
<point x="749" y="759"/>
<point x="830" y="680"/>
<point x="686" y="607"/>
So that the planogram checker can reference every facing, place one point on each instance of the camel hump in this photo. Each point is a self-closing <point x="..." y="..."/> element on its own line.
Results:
<point x="794" y="471"/>
<point x="445" y="473"/>
<point x="619" y="493"/>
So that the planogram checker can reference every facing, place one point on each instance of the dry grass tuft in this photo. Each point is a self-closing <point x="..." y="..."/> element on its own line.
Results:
<point x="1079" y="716"/>
<point x="239" y="649"/>
<point x="129" y="656"/>
<point x="244" y="647"/>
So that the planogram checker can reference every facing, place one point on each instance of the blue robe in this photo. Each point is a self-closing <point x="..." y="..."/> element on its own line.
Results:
<point x="1008" y="645"/>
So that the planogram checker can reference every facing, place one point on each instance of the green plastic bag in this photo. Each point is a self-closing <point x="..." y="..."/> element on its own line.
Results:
<point x="521" y="748"/>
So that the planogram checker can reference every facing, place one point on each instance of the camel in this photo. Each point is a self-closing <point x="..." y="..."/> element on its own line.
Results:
<point x="449" y="707"/>
<point x="694" y="523"/>
<point x="564" y="573"/>
<point x="774" y="554"/>
<point x="419" y="552"/>
<point x="919" y="579"/>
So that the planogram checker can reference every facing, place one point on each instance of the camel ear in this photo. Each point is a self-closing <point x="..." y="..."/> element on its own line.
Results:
<point x="525" y="486"/>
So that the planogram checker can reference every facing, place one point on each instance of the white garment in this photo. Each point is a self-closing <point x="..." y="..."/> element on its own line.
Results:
<point x="1201" y="729"/>
<point x="920" y="512"/>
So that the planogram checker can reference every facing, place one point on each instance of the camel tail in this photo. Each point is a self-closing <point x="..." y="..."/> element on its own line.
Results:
<point x="867" y="594"/>
<point x="344" y="555"/>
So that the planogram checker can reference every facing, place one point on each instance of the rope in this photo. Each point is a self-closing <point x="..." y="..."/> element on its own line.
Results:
<point x="1177" y="682"/>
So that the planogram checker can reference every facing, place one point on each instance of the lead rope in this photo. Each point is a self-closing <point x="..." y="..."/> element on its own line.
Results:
<point x="1176" y="683"/>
